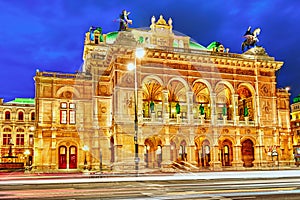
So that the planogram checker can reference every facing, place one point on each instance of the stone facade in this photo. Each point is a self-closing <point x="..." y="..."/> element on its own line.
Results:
<point x="197" y="108"/>
<point x="17" y="122"/>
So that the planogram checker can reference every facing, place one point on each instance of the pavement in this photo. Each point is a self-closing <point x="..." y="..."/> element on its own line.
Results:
<point x="155" y="175"/>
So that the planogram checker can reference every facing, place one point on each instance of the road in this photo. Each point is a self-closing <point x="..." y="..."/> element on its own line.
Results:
<point x="236" y="185"/>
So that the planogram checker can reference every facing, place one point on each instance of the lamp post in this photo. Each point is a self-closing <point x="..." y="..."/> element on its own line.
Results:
<point x="27" y="153"/>
<point x="139" y="53"/>
<point x="85" y="149"/>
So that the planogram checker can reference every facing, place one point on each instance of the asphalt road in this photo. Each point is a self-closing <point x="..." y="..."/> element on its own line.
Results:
<point x="155" y="188"/>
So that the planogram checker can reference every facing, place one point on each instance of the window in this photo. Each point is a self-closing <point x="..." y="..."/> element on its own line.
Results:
<point x="67" y="113"/>
<point x="63" y="117"/>
<point x="7" y="115"/>
<point x="20" y="116"/>
<point x="20" y="139"/>
<point x="32" y="117"/>
<point x="31" y="140"/>
<point x="6" y="138"/>
<point x="72" y="117"/>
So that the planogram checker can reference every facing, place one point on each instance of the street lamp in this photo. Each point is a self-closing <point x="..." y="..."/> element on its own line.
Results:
<point x="27" y="153"/>
<point x="85" y="149"/>
<point x="139" y="53"/>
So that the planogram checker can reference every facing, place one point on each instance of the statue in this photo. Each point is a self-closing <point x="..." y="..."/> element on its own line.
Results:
<point x="201" y="108"/>
<point x="92" y="31"/>
<point x="152" y="107"/>
<point x="246" y="112"/>
<point x="124" y="20"/>
<point x="177" y="108"/>
<point x="224" y="110"/>
<point x="251" y="38"/>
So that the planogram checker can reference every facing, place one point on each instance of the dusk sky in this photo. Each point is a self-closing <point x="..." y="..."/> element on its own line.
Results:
<point x="49" y="35"/>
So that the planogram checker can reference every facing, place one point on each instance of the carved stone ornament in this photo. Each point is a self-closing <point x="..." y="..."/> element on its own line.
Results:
<point x="260" y="51"/>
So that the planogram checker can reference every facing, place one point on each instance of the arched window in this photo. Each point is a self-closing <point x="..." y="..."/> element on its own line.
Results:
<point x="7" y="115"/>
<point x="20" y="116"/>
<point x="32" y="116"/>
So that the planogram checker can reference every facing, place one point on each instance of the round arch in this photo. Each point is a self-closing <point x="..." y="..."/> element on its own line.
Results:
<point x="151" y="77"/>
<point x="205" y="82"/>
<point x="67" y="88"/>
<point x="186" y="85"/>
<point x="226" y="83"/>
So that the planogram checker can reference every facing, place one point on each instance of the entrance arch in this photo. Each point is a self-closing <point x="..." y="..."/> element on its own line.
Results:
<point x="67" y="157"/>
<point x="153" y="152"/>
<point x="73" y="157"/>
<point x="247" y="153"/>
<point x="62" y="157"/>
<point x="182" y="151"/>
<point x="226" y="153"/>
<point x="205" y="153"/>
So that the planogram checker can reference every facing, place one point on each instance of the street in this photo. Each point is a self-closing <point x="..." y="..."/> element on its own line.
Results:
<point x="224" y="185"/>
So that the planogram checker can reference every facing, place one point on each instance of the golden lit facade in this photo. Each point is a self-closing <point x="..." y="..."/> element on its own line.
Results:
<point x="197" y="107"/>
<point x="17" y="121"/>
<point x="295" y="126"/>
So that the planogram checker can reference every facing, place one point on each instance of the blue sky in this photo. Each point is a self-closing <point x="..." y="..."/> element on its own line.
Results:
<point x="49" y="35"/>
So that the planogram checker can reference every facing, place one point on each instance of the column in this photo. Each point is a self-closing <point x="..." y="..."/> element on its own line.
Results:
<point x="190" y="102"/>
<point x="215" y="164"/>
<point x="165" y="105"/>
<point x="235" y="109"/>
<point x="237" y="151"/>
<point x="166" y="152"/>
<point x="213" y="109"/>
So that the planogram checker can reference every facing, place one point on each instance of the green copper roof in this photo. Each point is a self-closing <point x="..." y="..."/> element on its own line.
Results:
<point x="22" y="101"/>
<point x="111" y="37"/>
<point x="194" y="45"/>
<point x="296" y="99"/>
<point x="213" y="45"/>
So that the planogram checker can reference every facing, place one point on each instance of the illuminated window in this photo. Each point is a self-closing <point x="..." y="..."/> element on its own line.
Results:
<point x="63" y="117"/>
<point x="6" y="138"/>
<point x="67" y="113"/>
<point x="7" y="115"/>
<point x="32" y="117"/>
<point x="20" y="139"/>
<point x="31" y="140"/>
<point x="20" y="116"/>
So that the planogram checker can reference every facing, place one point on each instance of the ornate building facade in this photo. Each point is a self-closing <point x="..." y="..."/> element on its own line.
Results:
<point x="183" y="105"/>
<point x="295" y="126"/>
<point x="17" y="121"/>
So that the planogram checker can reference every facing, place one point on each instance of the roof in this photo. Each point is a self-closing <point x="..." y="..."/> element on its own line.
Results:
<point x="22" y="101"/>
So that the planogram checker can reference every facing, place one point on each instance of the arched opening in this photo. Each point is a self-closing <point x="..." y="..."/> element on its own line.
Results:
<point x="32" y="117"/>
<point x="7" y="115"/>
<point x="177" y="100"/>
<point x="62" y="157"/>
<point x="152" y="99"/>
<point x="205" y="153"/>
<point x="153" y="152"/>
<point x="224" y="104"/>
<point x="201" y="101"/>
<point x="248" y="153"/>
<point x="182" y="151"/>
<point x="245" y="103"/>
<point x="20" y="116"/>
<point x="226" y="153"/>
<point x="73" y="157"/>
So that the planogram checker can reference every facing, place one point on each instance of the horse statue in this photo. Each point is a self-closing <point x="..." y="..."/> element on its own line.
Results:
<point x="251" y="38"/>
<point x="124" y="20"/>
